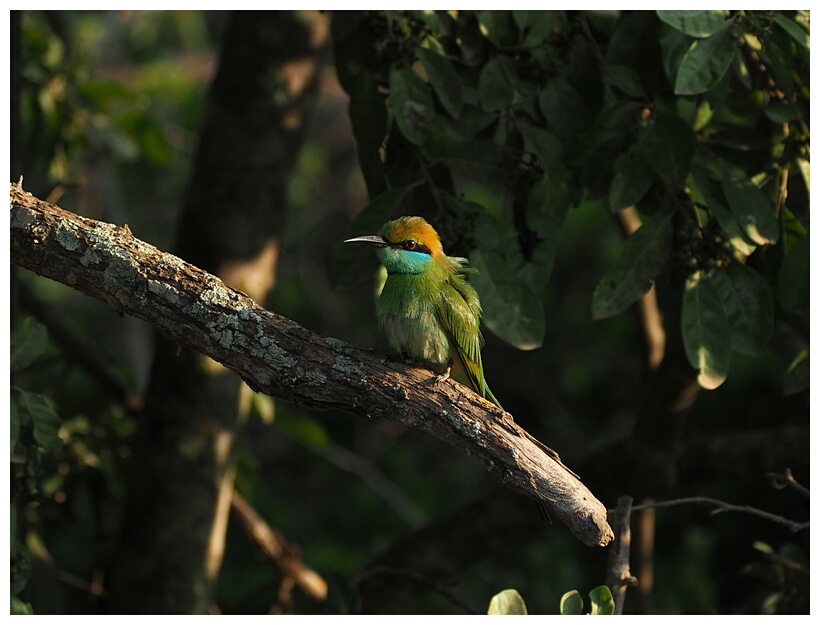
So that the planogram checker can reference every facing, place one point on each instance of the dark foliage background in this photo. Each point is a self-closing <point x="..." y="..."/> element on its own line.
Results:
<point x="537" y="143"/>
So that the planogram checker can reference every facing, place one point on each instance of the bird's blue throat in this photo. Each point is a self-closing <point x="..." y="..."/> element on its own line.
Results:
<point x="398" y="261"/>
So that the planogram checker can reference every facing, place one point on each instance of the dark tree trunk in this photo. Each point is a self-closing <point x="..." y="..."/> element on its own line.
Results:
<point x="233" y="213"/>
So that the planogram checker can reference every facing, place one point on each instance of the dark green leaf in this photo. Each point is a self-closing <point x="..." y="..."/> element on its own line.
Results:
<point x="45" y="420"/>
<point x="303" y="428"/>
<point x="672" y="145"/>
<point x="545" y="145"/>
<point x="797" y="375"/>
<point x="642" y="258"/>
<point x="547" y="206"/>
<point x="444" y="78"/>
<point x="536" y="26"/>
<point x="471" y="122"/>
<point x="777" y="61"/>
<point x="624" y="78"/>
<point x="154" y="144"/>
<point x="28" y="342"/>
<point x="14" y="422"/>
<point x="633" y="178"/>
<point x="478" y="159"/>
<point x="507" y="602"/>
<point x="18" y="606"/>
<point x="497" y="26"/>
<point x="749" y="306"/>
<point x="706" y="330"/>
<point x="750" y="206"/>
<point x="674" y="46"/>
<point x="412" y="104"/>
<point x="494" y="90"/>
<point x="511" y="310"/>
<point x="611" y="124"/>
<point x="793" y="279"/>
<point x="795" y="31"/>
<point x="567" y="113"/>
<point x="602" y="601"/>
<point x="694" y="23"/>
<point x="706" y="62"/>
<point x="344" y="23"/>
<point x="572" y="603"/>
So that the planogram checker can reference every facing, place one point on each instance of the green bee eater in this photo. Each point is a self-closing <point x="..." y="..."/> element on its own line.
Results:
<point x="427" y="308"/>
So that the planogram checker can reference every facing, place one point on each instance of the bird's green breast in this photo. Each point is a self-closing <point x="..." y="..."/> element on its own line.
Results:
<point x="407" y="314"/>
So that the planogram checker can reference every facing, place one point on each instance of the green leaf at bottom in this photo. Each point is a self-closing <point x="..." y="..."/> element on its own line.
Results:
<point x="507" y="602"/>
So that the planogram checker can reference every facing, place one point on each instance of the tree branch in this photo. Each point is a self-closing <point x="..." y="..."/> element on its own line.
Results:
<point x="278" y="357"/>
<point x="618" y="575"/>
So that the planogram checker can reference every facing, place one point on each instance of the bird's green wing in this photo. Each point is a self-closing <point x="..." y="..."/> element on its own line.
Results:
<point x="459" y="313"/>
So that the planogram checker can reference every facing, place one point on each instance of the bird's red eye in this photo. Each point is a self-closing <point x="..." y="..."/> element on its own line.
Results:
<point x="409" y="244"/>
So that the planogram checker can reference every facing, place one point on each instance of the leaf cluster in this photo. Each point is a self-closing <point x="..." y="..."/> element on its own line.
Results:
<point x="34" y="425"/>
<point x="495" y="124"/>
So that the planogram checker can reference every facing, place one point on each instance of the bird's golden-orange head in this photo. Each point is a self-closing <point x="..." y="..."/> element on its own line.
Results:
<point x="413" y="234"/>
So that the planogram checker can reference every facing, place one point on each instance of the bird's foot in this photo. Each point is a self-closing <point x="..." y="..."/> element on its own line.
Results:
<point x="442" y="377"/>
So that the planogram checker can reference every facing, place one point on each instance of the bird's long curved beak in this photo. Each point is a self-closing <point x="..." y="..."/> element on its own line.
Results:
<point x="371" y="239"/>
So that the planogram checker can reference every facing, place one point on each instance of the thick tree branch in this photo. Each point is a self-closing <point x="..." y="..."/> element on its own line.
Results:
<point x="278" y="357"/>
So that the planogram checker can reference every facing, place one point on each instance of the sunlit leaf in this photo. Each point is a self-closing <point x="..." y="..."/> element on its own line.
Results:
<point x="708" y="191"/>
<point x="797" y="374"/>
<point x="602" y="601"/>
<point x="507" y="602"/>
<point x="572" y="603"/>
<point x="796" y="32"/>
<point x="707" y="334"/>
<point x="694" y="23"/>
<point x="706" y="61"/>
<point x="642" y="258"/>
<point x="750" y="206"/>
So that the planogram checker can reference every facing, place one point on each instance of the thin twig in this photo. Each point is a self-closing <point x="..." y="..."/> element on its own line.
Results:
<point x="782" y="480"/>
<point x="279" y="551"/>
<point x="722" y="506"/>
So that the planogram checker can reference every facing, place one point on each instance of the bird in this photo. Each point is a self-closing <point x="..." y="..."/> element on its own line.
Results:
<point x="427" y="308"/>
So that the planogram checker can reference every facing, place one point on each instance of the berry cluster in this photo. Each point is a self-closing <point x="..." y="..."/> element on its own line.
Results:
<point x="701" y="248"/>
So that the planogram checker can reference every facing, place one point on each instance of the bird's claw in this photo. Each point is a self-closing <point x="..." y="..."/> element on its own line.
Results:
<point x="441" y="377"/>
